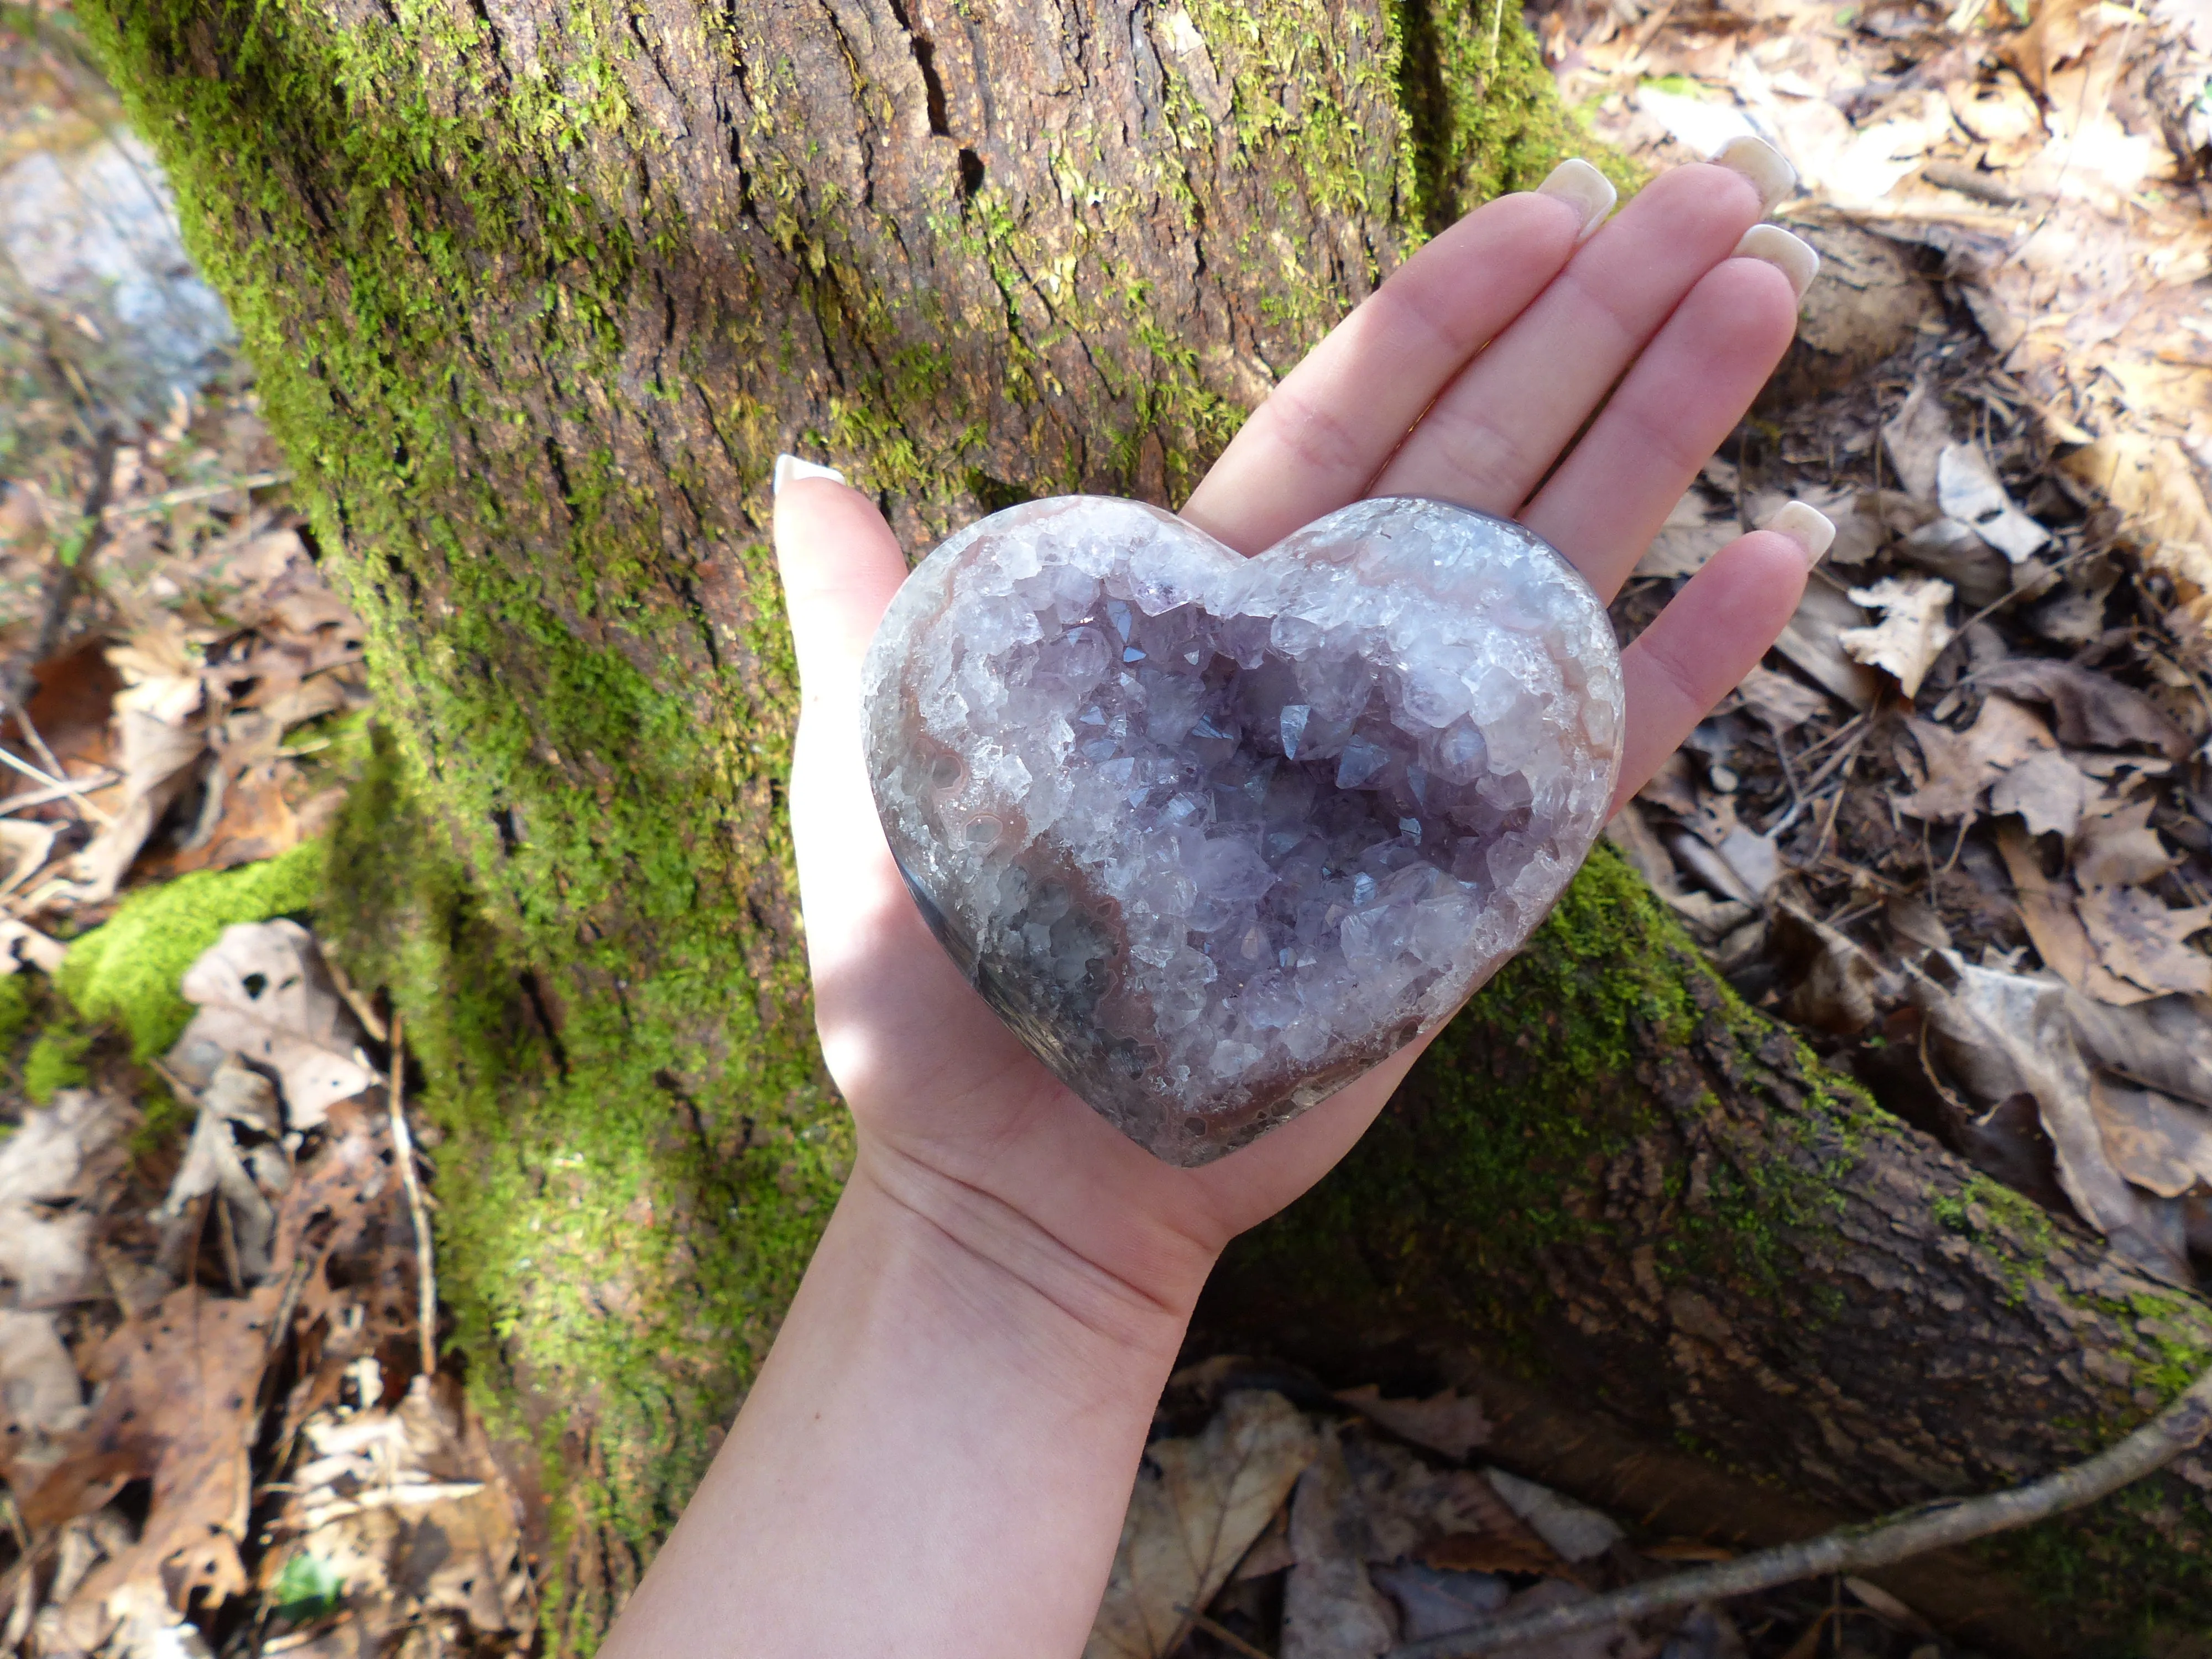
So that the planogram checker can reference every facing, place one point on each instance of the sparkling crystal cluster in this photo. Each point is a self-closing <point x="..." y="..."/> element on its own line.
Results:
<point x="1214" y="835"/>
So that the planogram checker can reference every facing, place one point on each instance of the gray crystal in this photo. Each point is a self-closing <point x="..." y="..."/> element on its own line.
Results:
<point x="1215" y="834"/>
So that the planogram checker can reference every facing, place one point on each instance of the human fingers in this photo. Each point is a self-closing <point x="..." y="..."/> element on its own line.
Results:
<point x="1497" y="428"/>
<point x="1712" y="634"/>
<point x="1333" y="422"/>
<point x="1609" y="498"/>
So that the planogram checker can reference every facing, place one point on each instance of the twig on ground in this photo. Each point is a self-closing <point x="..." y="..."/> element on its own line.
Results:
<point x="2183" y="1424"/>
<point x="198" y="493"/>
<point x="1221" y="1632"/>
<point x="61" y="789"/>
<point x="403" y="1146"/>
<point x="51" y="787"/>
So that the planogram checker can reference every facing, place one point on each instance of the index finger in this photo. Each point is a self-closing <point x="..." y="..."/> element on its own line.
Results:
<point x="1335" y="420"/>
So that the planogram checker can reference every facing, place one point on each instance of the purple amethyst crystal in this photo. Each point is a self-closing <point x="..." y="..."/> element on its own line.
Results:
<point x="1214" y="835"/>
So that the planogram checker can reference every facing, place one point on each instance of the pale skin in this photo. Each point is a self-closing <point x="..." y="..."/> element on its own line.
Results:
<point x="935" y="1458"/>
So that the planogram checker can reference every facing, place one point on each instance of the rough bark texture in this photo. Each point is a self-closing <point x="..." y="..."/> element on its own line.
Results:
<point x="537" y="288"/>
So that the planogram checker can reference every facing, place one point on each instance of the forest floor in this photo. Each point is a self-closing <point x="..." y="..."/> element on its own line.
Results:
<point x="1982" y="744"/>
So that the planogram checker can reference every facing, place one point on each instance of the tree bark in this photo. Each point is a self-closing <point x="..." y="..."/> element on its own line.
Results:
<point x="537" y="290"/>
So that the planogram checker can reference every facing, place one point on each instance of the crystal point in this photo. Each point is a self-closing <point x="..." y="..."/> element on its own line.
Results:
<point x="1214" y="835"/>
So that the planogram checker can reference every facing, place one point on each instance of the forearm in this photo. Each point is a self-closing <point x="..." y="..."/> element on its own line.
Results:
<point x="935" y="1458"/>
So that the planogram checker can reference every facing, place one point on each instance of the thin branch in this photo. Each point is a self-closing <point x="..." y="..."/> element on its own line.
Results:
<point x="2181" y="1425"/>
<point x="196" y="492"/>
<point x="403" y="1143"/>
<point x="58" y="787"/>
<point x="1221" y="1632"/>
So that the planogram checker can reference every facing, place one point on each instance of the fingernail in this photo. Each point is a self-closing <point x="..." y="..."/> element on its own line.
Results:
<point x="789" y="469"/>
<point x="1808" y="526"/>
<point x="1584" y="189"/>
<point x="1792" y="256"/>
<point x="1767" y="167"/>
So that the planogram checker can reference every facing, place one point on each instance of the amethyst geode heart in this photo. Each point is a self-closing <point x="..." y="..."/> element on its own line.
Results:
<point x="1214" y="835"/>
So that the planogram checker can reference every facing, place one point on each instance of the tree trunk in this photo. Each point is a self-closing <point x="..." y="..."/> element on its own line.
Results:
<point x="537" y="290"/>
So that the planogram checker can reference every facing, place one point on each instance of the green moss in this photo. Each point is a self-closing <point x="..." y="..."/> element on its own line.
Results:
<point x="1487" y="1161"/>
<point x="125" y="972"/>
<point x="1490" y="1158"/>
<point x="16" y="1007"/>
<point x="56" y="1061"/>
<point x="2136" y="1565"/>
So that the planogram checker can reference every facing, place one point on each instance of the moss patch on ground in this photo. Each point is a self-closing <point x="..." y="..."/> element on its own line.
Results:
<point x="125" y="973"/>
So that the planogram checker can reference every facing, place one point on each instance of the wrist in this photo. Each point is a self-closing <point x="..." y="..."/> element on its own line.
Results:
<point x="1128" y="1296"/>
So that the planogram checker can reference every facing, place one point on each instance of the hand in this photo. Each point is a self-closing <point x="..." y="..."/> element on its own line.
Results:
<point x="1511" y="365"/>
<point x="935" y="1459"/>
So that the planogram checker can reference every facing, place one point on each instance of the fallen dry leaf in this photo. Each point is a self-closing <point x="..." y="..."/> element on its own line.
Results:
<point x="1690" y="536"/>
<point x="2138" y="937"/>
<point x="1962" y="764"/>
<point x="178" y="1407"/>
<point x="1836" y="986"/>
<point x="2046" y="910"/>
<point x="2165" y="1043"/>
<point x="263" y="993"/>
<point x="1330" y="1608"/>
<point x="1915" y="438"/>
<point x="2005" y="1034"/>
<point x="1198" y="1505"/>
<point x="1812" y="643"/>
<point x="48" y="1169"/>
<point x="2160" y="1144"/>
<point x="1968" y="490"/>
<point x="158" y="761"/>
<point x="1451" y="1519"/>
<point x="1577" y="1532"/>
<point x="41" y="1397"/>
<point x="2120" y="849"/>
<point x="1438" y="1601"/>
<point x="2048" y="792"/>
<point x="1779" y="700"/>
<point x="2091" y="710"/>
<point x="403" y="1507"/>
<point x="216" y="1164"/>
<point x="1912" y="630"/>
<point x="1447" y="1422"/>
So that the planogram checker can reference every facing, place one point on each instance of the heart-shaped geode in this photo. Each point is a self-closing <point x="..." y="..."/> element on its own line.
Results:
<point x="1214" y="835"/>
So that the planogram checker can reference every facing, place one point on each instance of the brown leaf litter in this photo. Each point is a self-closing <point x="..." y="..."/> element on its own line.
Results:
<point x="2051" y="167"/>
<point x="174" y="723"/>
<point x="1308" y="1531"/>
<point x="237" y="1371"/>
<point x="1983" y="746"/>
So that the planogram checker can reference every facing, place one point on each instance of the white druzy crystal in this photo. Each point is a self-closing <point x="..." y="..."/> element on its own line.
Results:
<point x="1214" y="835"/>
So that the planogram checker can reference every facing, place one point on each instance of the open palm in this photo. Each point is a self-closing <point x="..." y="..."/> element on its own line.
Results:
<point x="1576" y="384"/>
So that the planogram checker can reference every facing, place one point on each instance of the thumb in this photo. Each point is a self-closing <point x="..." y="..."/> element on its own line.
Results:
<point x="840" y="565"/>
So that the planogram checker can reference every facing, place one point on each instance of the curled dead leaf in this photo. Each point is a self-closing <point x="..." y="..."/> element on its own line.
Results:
<point x="265" y="994"/>
<point x="1911" y="633"/>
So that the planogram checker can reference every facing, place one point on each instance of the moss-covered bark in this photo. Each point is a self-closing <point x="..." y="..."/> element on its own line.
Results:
<point x="1615" y="1185"/>
<point x="536" y="290"/>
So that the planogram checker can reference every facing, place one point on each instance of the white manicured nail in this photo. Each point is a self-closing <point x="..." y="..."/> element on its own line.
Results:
<point x="1792" y="256"/>
<point x="1767" y="167"/>
<point x="789" y="469"/>
<point x="1808" y="526"/>
<point x="1584" y="189"/>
